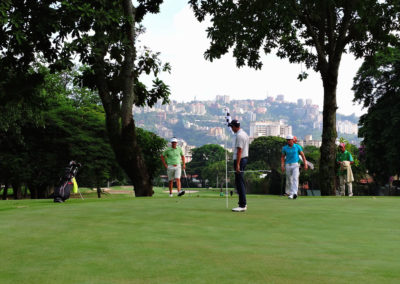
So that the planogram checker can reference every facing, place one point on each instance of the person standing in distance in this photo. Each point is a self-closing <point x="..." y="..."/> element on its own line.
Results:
<point x="345" y="160"/>
<point x="240" y="155"/>
<point x="171" y="159"/>
<point x="290" y="164"/>
<point x="287" y="187"/>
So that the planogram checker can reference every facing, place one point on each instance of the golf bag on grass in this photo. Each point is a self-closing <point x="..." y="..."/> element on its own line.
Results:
<point x="66" y="184"/>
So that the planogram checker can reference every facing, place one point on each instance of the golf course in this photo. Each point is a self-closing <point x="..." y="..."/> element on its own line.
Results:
<point x="196" y="239"/>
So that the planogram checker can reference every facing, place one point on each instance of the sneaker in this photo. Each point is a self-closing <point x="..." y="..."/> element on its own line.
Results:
<point x="171" y="195"/>
<point x="294" y="196"/>
<point x="180" y="193"/>
<point x="290" y="196"/>
<point x="239" y="209"/>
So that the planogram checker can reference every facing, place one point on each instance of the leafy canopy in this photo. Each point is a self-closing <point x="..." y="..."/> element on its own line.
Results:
<point x="313" y="32"/>
<point x="377" y="86"/>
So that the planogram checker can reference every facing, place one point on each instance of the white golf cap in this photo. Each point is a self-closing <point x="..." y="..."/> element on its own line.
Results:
<point x="174" y="139"/>
<point x="289" y="137"/>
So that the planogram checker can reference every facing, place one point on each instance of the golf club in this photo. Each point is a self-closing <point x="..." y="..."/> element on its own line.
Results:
<point x="187" y="183"/>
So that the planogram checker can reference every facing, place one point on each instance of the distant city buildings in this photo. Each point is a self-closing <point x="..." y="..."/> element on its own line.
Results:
<point x="308" y="141"/>
<point x="186" y="149"/>
<point x="198" y="108"/>
<point x="222" y="99"/>
<point x="269" y="128"/>
<point x="280" y="98"/>
<point x="346" y="127"/>
<point x="270" y="99"/>
<point x="251" y="116"/>
<point x="164" y="132"/>
<point x="207" y="118"/>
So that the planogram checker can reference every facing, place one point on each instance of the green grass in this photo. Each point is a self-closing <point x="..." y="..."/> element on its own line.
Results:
<point x="196" y="239"/>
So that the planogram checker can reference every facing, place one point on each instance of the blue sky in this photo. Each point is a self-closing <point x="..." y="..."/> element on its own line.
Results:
<point x="182" y="40"/>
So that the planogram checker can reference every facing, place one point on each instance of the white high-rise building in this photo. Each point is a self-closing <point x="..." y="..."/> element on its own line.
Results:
<point x="198" y="108"/>
<point x="269" y="128"/>
<point x="346" y="127"/>
<point x="222" y="99"/>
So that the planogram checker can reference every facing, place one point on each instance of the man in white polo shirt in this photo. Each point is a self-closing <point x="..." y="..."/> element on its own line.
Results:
<point x="171" y="159"/>
<point x="240" y="155"/>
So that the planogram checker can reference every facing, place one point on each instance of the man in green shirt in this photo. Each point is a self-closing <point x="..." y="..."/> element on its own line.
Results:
<point x="345" y="160"/>
<point x="171" y="159"/>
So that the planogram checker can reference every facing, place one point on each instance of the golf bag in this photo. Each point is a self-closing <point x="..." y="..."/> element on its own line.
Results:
<point x="65" y="185"/>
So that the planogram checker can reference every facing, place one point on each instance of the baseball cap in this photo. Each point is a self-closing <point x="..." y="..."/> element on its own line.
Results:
<point x="342" y="145"/>
<point x="173" y="139"/>
<point x="235" y="123"/>
<point x="289" y="137"/>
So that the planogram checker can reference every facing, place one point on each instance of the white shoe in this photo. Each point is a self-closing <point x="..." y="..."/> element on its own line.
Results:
<point x="239" y="209"/>
<point x="290" y="196"/>
<point x="171" y="195"/>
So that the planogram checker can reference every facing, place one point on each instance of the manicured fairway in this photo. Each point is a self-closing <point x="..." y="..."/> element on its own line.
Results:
<point x="197" y="240"/>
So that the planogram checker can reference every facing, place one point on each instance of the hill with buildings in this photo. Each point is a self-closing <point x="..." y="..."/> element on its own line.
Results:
<point x="203" y="122"/>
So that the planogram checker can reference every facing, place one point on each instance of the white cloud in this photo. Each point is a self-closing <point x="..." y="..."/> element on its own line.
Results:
<point x="182" y="41"/>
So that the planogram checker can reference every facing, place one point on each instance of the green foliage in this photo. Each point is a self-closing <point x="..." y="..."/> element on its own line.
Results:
<point x="103" y="25"/>
<point x="302" y="31"/>
<point x="267" y="150"/>
<point x="313" y="155"/>
<point x="216" y="172"/>
<point x="377" y="86"/>
<point x="102" y="35"/>
<point x="209" y="155"/>
<point x="24" y="35"/>
<point x="265" y="154"/>
<point x="377" y="77"/>
<point x="152" y="147"/>
<point x="72" y="130"/>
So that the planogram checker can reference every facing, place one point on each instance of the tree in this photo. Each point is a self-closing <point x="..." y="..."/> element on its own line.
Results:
<point x="377" y="86"/>
<point x="23" y="36"/>
<point x="267" y="149"/>
<point x="71" y="130"/>
<point x="102" y="35"/>
<point x="215" y="173"/>
<point x="108" y="30"/>
<point x="203" y="157"/>
<point x="316" y="33"/>
<point x="265" y="154"/>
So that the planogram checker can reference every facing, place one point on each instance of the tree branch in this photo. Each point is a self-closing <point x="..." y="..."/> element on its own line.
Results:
<point x="305" y="19"/>
<point x="128" y="94"/>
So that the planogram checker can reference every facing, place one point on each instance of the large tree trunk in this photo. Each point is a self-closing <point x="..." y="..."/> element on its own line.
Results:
<point x="119" y="119"/>
<point x="129" y="157"/>
<point x="329" y="134"/>
<point x="17" y="190"/>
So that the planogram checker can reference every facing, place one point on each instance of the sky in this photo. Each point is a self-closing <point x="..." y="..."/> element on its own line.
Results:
<point x="182" y="41"/>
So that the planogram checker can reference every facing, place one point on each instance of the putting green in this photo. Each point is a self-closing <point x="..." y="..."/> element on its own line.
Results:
<point x="198" y="240"/>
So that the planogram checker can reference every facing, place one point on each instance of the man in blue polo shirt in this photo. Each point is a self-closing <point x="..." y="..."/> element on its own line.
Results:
<point x="290" y="164"/>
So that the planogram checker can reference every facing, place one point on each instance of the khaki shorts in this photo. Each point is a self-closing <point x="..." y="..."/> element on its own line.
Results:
<point x="174" y="172"/>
